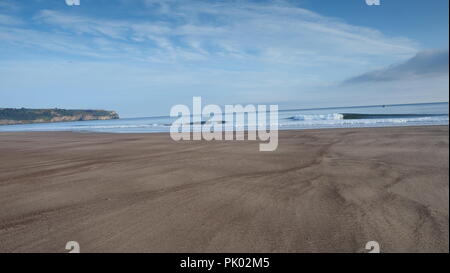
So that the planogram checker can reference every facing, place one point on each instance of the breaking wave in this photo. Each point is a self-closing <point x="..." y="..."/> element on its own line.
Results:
<point x="341" y="116"/>
<point x="334" y="116"/>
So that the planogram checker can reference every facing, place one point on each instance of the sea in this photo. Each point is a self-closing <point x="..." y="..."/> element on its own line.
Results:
<point x="313" y="118"/>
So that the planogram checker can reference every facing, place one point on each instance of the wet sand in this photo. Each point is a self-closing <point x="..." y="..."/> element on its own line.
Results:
<point x="329" y="190"/>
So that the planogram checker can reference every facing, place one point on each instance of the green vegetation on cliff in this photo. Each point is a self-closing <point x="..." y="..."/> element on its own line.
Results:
<point x="24" y="115"/>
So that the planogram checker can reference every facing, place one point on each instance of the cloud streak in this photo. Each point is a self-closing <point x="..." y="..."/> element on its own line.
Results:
<point x="9" y="20"/>
<point x="274" y="32"/>
<point x="423" y="64"/>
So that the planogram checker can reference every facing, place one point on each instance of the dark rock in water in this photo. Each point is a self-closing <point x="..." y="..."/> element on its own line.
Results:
<point x="206" y="122"/>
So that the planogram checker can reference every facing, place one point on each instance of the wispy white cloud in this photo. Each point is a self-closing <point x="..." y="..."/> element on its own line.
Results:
<point x="10" y="20"/>
<point x="9" y="5"/>
<point x="274" y="33"/>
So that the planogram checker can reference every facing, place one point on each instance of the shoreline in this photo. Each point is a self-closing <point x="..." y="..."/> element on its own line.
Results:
<point x="320" y="191"/>
<point x="289" y="129"/>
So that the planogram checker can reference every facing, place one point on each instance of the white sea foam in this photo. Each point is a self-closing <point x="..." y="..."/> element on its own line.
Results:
<point x="125" y="126"/>
<point x="333" y="116"/>
<point x="364" y="122"/>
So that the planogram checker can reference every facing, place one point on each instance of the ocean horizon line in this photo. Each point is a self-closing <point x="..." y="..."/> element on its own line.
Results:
<point x="314" y="108"/>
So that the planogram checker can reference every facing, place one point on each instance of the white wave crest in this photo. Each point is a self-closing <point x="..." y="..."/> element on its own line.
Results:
<point x="334" y="116"/>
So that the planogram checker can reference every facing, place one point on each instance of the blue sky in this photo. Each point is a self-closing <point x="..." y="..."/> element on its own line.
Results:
<point x="140" y="57"/>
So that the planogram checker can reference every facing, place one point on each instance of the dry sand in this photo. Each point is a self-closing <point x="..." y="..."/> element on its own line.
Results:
<point x="328" y="190"/>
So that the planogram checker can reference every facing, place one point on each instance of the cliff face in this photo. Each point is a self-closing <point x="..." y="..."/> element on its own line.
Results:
<point x="10" y="116"/>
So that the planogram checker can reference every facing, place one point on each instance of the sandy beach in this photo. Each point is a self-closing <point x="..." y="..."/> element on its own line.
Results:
<point x="329" y="190"/>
